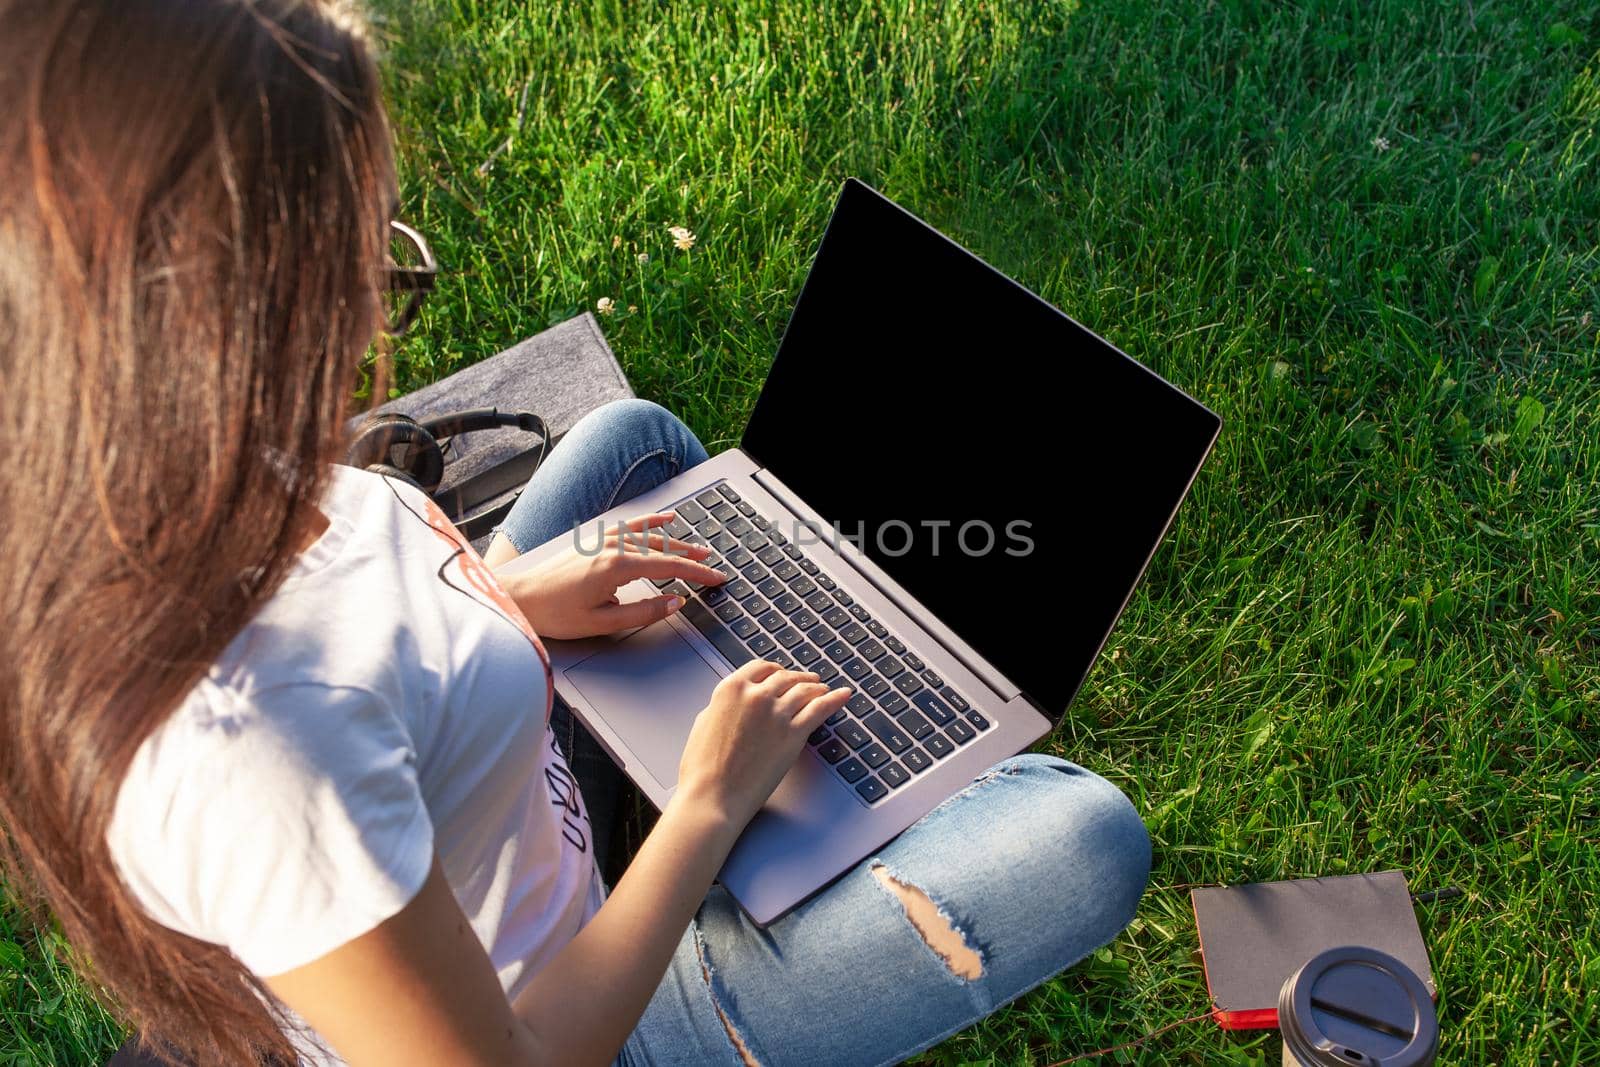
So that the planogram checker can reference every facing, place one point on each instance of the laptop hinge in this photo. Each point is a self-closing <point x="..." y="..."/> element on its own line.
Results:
<point x="891" y="589"/>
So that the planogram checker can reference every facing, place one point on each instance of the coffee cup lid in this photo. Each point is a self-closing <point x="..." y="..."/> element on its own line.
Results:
<point x="1357" y="1007"/>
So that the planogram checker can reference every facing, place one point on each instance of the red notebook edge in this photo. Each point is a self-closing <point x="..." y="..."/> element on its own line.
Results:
<point x="1249" y="1019"/>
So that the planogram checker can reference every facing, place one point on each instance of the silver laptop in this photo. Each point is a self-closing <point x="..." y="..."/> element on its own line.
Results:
<point x="944" y="497"/>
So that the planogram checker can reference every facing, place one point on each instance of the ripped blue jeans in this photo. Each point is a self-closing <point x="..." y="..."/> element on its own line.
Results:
<point x="1027" y="870"/>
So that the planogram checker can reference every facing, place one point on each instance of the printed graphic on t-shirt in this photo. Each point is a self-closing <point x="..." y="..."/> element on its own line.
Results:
<point x="466" y="572"/>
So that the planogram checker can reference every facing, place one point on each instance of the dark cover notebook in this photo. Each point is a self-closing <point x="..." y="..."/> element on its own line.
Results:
<point x="1252" y="937"/>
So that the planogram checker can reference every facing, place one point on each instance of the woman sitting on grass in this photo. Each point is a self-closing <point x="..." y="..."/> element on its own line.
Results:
<point x="277" y="744"/>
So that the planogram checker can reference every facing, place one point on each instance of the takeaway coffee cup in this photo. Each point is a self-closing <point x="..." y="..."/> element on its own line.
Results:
<point x="1356" y="1007"/>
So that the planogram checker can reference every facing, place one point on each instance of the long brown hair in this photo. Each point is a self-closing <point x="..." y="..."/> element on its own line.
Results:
<point x="193" y="213"/>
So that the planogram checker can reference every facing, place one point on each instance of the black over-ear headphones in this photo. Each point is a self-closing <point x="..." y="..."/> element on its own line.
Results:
<point x="401" y="447"/>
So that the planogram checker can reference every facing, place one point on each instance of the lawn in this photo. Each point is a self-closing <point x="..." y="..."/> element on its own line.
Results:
<point x="1365" y="233"/>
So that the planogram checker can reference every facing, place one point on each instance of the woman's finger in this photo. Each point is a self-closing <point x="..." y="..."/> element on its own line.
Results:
<point x="819" y="708"/>
<point x="660" y="543"/>
<point x="615" y="617"/>
<point x="662" y="565"/>
<point x="645" y="522"/>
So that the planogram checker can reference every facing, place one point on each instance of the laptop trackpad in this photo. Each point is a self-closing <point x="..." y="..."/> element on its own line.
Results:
<point x="649" y="687"/>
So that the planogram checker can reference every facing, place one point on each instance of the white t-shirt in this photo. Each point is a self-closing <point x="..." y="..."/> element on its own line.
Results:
<point x="388" y="702"/>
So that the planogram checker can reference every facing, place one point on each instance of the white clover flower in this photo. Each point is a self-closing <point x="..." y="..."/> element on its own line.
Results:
<point x="605" y="305"/>
<point x="682" y="237"/>
<point x="644" y="257"/>
<point x="1381" y="143"/>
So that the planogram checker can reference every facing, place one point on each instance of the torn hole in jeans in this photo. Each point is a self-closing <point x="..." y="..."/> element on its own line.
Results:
<point x="734" y="1036"/>
<point x="933" y="924"/>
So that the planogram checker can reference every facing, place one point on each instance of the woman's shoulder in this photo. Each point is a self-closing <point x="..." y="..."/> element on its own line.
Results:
<point x="245" y="800"/>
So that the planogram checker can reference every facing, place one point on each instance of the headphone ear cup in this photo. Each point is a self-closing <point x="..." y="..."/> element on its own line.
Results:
<point x="402" y="446"/>
<point x="394" y="472"/>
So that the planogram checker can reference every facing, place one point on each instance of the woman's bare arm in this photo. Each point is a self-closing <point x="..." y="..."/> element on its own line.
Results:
<point x="420" y="989"/>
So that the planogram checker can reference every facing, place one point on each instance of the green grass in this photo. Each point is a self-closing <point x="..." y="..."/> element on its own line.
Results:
<point x="1370" y="640"/>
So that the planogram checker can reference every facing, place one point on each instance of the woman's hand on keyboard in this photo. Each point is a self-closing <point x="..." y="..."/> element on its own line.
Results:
<point x="748" y="737"/>
<point x="574" y="594"/>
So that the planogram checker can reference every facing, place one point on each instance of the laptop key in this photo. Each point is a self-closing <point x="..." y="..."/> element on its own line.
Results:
<point x="793" y="552"/>
<point x="916" y="725"/>
<point x="723" y="511"/>
<point x="678" y="528"/>
<point x="806" y="654"/>
<point x="770" y="587"/>
<point x="761" y="522"/>
<point x="690" y="512"/>
<point x="781" y="658"/>
<point x="908" y="684"/>
<point x="788" y="637"/>
<point x="724" y="542"/>
<point x="870" y="651"/>
<point x="938" y="746"/>
<point x="874" y="686"/>
<point x="836" y="617"/>
<point x="959" y="732"/>
<point x="852" y="734"/>
<point x="839" y="652"/>
<point x="895" y="645"/>
<point x="761" y="644"/>
<point x="827" y="583"/>
<point x="818" y="601"/>
<point x="719" y="635"/>
<point x="860" y="613"/>
<point x="889" y="731"/>
<point x="913" y="662"/>
<point x="746" y="510"/>
<point x="953" y="698"/>
<point x="817" y="736"/>
<point x="787" y="602"/>
<point x="860" y="704"/>
<point x="821" y="635"/>
<point x="915" y="759"/>
<point x="977" y="720"/>
<point x="933" y="707"/>
<point x="803" y="586"/>
<point x="933" y="680"/>
<point x="785" y="570"/>
<point x="739" y="558"/>
<point x="709" y="499"/>
<point x="754" y="540"/>
<point x="810" y="568"/>
<point x="826" y="672"/>
<point x="803" y="619"/>
<point x="737" y="526"/>
<point x="833" y="750"/>
<point x="727" y="491"/>
<point x="708" y="527"/>
<point x="894" y="776"/>
<point x="856" y="668"/>
<point x="772" y="621"/>
<point x="853" y="634"/>
<point x="757" y="605"/>
<point x="851" y="769"/>
<point x="771" y="555"/>
<point x="728" y="611"/>
<point x="837" y="717"/>
<point x="876" y="629"/>
<point x="744" y="627"/>
<point x="873" y="755"/>
<point x="894" y="703"/>
<point x="716" y="595"/>
<point x="844" y="598"/>
<point x="872" y="790"/>
<point x="739" y="588"/>
<point x="891" y="668"/>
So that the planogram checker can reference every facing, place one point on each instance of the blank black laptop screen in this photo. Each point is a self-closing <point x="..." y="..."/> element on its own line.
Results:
<point x="1010" y="469"/>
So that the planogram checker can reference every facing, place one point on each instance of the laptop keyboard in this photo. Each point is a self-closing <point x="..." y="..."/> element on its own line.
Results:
<point x="778" y="605"/>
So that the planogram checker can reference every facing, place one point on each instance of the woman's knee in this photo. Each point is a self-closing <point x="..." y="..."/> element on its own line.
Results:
<point x="642" y="424"/>
<point x="1081" y="819"/>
